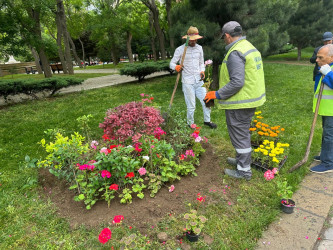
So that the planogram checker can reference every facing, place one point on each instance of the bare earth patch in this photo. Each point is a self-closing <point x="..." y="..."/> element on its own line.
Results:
<point x="141" y="214"/>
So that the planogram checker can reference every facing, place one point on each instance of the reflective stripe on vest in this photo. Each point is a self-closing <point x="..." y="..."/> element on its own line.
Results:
<point x="252" y="94"/>
<point x="326" y="102"/>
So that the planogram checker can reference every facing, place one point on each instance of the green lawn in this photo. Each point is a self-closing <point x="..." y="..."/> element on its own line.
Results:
<point x="292" y="55"/>
<point x="27" y="221"/>
<point x="37" y="76"/>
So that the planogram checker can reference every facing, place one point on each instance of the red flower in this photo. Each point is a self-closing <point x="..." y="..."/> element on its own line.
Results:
<point x="117" y="219"/>
<point x="151" y="98"/>
<point x="158" y="156"/>
<point x="130" y="175"/>
<point x="105" y="137"/>
<point x="113" y="187"/>
<point x="113" y="146"/>
<point x="105" y="235"/>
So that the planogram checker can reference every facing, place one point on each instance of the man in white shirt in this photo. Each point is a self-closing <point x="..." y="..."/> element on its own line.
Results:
<point x="193" y="73"/>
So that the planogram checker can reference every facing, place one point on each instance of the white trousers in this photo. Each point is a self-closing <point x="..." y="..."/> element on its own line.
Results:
<point x="190" y="92"/>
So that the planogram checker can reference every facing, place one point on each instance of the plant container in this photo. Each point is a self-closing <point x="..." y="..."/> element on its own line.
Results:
<point x="288" y="207"/>
<point x="192" y="237"/>
<point x="210" y="103"/>
<point x="264" y="166"/>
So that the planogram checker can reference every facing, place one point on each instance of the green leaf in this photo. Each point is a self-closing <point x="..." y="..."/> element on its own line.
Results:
<point x="81" y="197"/>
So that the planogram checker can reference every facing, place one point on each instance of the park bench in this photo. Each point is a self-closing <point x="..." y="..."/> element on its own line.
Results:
<point x="29" y="70"/>
<point x="56" y="67"/>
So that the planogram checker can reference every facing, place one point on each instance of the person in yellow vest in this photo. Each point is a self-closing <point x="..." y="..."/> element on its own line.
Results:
<point x="242" y="90"/>
<point x="325" y="62"/>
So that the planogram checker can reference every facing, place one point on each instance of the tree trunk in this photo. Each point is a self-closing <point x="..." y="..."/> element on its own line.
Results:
<point x="152" y="36"/>
<point x="39" y="47"/>
<point x="152" y="6"/>
<point x="299" y="52"/>
<point x="37" y="60"/>
<point x="171" y="38"/>
<point x="129" y="47"/>
<point x="114" y="52"/>
<point x="62" y="20"/>
<point x="215" y="75"/>
<point x="59" y="43"/>
<point x="83" y="53"/>
<point x="77" y="58"/>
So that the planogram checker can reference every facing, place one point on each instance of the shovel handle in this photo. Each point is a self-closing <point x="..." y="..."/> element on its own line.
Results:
<point x="307" y="151"/>
<point x="178" y="75"/>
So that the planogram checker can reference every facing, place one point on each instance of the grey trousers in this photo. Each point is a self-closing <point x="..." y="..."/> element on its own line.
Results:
<point x="238" y="124"/>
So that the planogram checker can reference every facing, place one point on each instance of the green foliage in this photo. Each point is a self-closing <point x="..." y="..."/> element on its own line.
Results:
<point x="283" y="189"/>
<point x="194" y="222"/>
<point x="32" y="86"/>
<point x="141" y="70"/>
<point x="154" y="183"/>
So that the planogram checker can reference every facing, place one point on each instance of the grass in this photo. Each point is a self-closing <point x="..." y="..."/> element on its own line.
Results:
<point x="29" y="221"/>
<point x="292" y="55"/>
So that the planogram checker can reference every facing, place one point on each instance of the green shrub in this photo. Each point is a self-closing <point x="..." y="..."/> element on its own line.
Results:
<point x="141" y="70"/>
<point x="33" y="86"/>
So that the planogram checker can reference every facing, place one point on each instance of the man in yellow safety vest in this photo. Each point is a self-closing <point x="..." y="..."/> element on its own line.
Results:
<point x="325" y="62"/>
<point x="242" y="89"/>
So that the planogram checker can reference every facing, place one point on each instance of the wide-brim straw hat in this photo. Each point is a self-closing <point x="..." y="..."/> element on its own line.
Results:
<point x="193" y="33"/>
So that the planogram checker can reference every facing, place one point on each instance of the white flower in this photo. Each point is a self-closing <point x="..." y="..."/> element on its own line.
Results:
<point x="198" y="139"/>
<point x="145" y="157"/>
<point x="129" y="146"/>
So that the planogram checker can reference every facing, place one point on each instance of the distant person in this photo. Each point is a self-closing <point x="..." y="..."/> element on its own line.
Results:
<point x="193" y="73"/>
<point x="325" y="63"/>
<point x="242" y="90"/>
<point x="327" y="39"/>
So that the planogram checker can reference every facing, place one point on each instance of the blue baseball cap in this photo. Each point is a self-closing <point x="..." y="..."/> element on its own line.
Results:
<point x="327" y="36"/>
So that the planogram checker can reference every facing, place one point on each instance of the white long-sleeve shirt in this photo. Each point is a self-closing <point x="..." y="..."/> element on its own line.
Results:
<point x="193" y="63"/>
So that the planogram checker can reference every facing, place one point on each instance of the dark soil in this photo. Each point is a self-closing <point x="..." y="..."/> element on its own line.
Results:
<point x="142" y="214"/>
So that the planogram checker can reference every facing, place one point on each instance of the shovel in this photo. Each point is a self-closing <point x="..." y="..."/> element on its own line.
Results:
<point x="165" y="115"/>
<point x="306" y="156"/>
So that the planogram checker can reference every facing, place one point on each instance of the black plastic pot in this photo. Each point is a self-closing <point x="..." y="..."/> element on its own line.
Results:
<point x="210" y="103"/>
<point x="288" y="208"/>
<point x="192" y="237"/>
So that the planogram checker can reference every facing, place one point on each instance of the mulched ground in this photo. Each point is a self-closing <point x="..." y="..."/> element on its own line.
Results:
<point x="142" y="214"/>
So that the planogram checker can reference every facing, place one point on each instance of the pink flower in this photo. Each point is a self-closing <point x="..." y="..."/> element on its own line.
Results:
<point x="104" y="150"/>
<point x="189" y="153"/>
<point x="275" y="170"/>
<point x="171" y="188"/>
<point x="269" y="175"/>
<point x="106" y="174"/>
<point x="105" y="235"/>
<point x="208" y="62"/>
<point x="205" y="138"/>
<point x="158" y="132"/>
<point x="142" y="171"/>
<point x="113" y="187"/>
<point x="198" y="139"/>
<point x="194" y="135"/>
<point x="193" y="125"/>
<point x="117" y="219"/>
<point x="142" y="94"/>
<point x="93" y="144"/>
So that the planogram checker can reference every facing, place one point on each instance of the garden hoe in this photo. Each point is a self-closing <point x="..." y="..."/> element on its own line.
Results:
<point x="165" y="115"/>
<point x="306" y="156"/>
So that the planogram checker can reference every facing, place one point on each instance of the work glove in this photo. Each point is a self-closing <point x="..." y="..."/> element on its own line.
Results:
<point x="202" y="75"/>
<point x="325" y="69"/>
<point x="178" y="68"/>
<point x="211" y="95"/>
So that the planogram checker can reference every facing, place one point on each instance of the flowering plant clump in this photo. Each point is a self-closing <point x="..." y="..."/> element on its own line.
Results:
<point x="131" y="120"/>
<point x="133" y="154"/>
<point x="105" y="235"/>
<point x="261" y="131"/>
<point x="194" y="222"/>
<point x="208" y="80"/>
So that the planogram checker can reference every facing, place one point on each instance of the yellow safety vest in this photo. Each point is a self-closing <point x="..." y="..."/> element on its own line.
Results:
<point x="326" y="102"/>
<point x="253" y="92"/>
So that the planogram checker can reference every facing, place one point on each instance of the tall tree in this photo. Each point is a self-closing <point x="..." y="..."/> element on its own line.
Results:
<point x="262" y="20"/>
<point x="307" y="26"/>
<point x="168" y="6"/>
<point x="156" y="22"/>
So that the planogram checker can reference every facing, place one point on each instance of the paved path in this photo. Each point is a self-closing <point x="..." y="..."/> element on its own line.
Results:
<point x="310" y="220"/>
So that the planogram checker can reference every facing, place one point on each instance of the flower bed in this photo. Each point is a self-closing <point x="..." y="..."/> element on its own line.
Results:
<point x="137" y="152"/>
